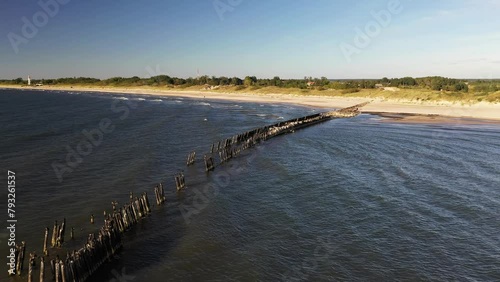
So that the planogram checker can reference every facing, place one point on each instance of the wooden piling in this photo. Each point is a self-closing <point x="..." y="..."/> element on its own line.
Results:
<point x="180" y="182"/>
<point x="42" y="269"/>
<point x="20" y="258"/>
<point x="145" y="201"/>
<point x="46" y="242"/>
<point x="54" y="234"/>
<point x="191" y="158"/>
<point x="62" y="229"/>
<point x="53" y="268"/>
<point x="63" y="272"/>
<point x="31" y="264"/>
<point x="57" y="271"/>
<point x="162" y="193"/>
<point x="91" y="219"/>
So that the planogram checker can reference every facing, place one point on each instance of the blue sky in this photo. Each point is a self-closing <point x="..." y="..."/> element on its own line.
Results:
<point x="291" y="39"/>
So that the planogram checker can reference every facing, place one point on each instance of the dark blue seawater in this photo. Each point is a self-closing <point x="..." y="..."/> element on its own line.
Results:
<point x="359" y="199"/>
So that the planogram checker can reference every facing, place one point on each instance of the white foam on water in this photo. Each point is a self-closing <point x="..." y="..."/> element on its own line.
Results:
<point x="202" y="104"/>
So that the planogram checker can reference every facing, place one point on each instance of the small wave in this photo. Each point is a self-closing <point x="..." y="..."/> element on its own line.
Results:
<point x="120" y="98"/>
<point x="139" y="99"/>
<point x="169" y="101"/>
<point x="281" y="118"/>
<point x="202" y="104"/>
<point x="261" y="115"/>
<point x="157" y="100"/>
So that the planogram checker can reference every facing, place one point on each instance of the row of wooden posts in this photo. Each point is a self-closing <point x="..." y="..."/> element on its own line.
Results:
<point x="81" y="264"/>
<point x="232" y="147"/>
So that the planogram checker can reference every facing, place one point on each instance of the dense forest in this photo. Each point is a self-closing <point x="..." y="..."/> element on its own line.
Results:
<point x="433" y="83"/>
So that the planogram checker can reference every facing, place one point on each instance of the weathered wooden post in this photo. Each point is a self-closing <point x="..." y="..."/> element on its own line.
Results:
<point x="191" y="158"/>
<point x="157" y="198"/>
<point x="46" y="242"/>
<point x="42" y="269"/>
<point x="91" y="219"/>
<point x="183" y="180"/>
<point x="53" y="268"/>
<point x="146" y="202"/>
<point x="54" y="235"/>
<point x="162" y="193"/>
<point x="61" y="233"/>
<point x="180" y="181"/>
<point x="57" y="270"/>
<point x="20" y="258"/>
<point x="63" y="271"/>
<point x="31" y="264"/>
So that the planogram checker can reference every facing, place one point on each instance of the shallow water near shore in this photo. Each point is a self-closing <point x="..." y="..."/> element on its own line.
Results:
<point x="359" y="199"/>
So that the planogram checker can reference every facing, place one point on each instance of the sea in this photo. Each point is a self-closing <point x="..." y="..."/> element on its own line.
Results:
<point x="360" y="199"/>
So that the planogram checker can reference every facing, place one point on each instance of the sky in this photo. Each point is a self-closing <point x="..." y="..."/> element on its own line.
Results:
<point x="337" y="39"/>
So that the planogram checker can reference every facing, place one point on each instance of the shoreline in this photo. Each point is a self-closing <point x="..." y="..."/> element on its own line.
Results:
<point x="396" y="110"/>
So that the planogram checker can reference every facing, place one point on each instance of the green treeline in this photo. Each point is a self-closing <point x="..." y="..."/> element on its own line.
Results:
<point x="433" y="83"/>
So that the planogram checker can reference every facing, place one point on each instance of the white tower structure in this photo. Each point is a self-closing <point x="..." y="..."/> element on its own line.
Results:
<point x="29" y="80"/>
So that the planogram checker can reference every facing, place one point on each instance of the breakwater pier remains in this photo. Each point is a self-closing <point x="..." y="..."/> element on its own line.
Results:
<point x="56" y="263"/>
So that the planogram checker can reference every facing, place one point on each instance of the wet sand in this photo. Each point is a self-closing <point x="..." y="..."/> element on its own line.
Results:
<point x="433" y="119"/>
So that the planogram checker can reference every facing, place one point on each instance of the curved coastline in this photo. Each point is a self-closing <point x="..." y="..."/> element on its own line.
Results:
<point x="396" y="110"/>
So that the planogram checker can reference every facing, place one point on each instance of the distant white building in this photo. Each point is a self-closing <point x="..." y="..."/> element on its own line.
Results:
<point x="29" y="80"/>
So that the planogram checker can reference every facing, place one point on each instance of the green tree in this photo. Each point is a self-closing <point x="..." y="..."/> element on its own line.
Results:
<point x="276" y="81"/>
<point x="248" y="81"/>
<point x="461" y="87"/>
<point x="236" y="81"/>
<point x="224" y="80"/>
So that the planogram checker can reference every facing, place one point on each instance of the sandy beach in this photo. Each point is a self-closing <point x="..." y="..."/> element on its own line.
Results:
<point x="401" y="110"/>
